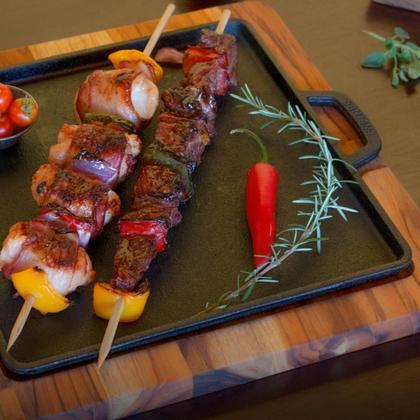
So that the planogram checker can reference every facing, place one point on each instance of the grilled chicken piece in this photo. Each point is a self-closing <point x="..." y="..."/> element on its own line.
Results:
<point x="191" y="102"/>
<point x="37" y="244"/>
<point x="82" y="196"/>
<point x="96" y="150"/>
<point x="124" y="93"/>
<point x="60" y="218"/>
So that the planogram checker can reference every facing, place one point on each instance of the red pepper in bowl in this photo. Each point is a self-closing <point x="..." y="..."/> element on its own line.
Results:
<point x="260" y="199"/>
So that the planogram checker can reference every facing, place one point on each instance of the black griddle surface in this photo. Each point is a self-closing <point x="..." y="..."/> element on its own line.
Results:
<point x="212" y="244"/>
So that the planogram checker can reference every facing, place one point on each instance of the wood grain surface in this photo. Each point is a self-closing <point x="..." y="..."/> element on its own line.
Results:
<point x="197" y="364"/>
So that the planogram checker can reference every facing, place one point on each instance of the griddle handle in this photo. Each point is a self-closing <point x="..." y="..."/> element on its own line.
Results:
<point x="369" y="136"/>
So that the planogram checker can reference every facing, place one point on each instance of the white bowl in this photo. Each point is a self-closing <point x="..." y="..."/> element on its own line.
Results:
<point x="6" y="142"/>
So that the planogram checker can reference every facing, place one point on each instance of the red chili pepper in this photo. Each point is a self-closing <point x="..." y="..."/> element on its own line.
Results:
<point x="261" y="198"/>
<point x="195" y="55"/>
<point x="150" y="228"/>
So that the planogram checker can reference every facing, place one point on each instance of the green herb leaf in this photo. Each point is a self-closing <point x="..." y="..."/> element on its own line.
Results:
<point x="404" y="55"/>
<point x="248" y="292"/>
<point x="414" y="70"/>
<point x="401" y="33"/>
<point x="389" y="43"/>
<point x="391" y="53"/>
<point x="403" y="76"/>
<point x="412" y="45"/>
<point x="374" y="60"/>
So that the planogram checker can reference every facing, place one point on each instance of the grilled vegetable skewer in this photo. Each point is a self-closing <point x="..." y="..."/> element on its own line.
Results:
<point x="183" y="131"/>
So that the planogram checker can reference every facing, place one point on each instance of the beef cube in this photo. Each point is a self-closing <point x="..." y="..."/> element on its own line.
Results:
<point x="208" y="76"/>
<point x="192" y="102"/>
<point x="222" y="43"/>
<point x="160" y="181"/>
<point x="185" y="138"/>
<point x="133" y="257"/>
<point x="149" y="208"/>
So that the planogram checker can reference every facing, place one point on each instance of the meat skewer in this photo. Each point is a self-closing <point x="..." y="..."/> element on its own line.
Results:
<point x="48" y="178"/>
<point x="182" y="133"/>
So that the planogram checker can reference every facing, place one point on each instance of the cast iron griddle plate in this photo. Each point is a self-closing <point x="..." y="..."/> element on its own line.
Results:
<point x="211" y="245"/>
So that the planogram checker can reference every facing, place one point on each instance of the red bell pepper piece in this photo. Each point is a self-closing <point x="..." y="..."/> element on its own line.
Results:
<point x="261" y="198"/>
<point x="195" y="55"/>
<point x="149" y="228"/>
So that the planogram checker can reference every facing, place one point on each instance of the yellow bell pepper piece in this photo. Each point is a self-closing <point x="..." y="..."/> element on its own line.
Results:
<point x="34" y="281"/>
<point x="117" y="59"/>
<point x="105" y="297"/>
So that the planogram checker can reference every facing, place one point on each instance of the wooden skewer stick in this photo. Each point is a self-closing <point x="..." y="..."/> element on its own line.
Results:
<point x="111" y="329"/>
<point x="113" y="322"/>
<point x="224" y="19"/>
<point x="154" y="38"/>
<point x="20" y="320"/>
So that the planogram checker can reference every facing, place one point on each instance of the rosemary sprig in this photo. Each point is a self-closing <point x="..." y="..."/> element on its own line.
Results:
<point x="323" y="199"/>
<point x="403" y="54"/>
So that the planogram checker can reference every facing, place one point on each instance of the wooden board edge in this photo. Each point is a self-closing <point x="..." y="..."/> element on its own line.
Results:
<point x="272" y="362"/>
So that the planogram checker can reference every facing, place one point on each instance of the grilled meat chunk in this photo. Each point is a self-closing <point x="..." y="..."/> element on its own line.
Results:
<point x="183" y="137"/>
<point x="60" y="218"/>
<point x="211" y="65"/>
<point x="151" y="218"/>
<point x="132" y="259"/>
<point x="96" y="150"/>
<point x="125" y="93"/>
<point x="223" y="44"/>
<point x="208" y="76"/>
<point x="169" y="55"/>
<point x="192" y="102"/>
<point x="162" y="182"/>
<point x="37" y="244"/>
<point x="150" y="208"/>
<point x="80" y="195"/>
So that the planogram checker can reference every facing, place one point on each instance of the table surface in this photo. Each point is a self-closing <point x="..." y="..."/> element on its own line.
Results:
<point x="379" y="381"/>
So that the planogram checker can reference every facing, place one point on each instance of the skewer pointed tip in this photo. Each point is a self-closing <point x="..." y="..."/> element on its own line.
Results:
<point x="110" y="331"/>
<point x="20" y="321"/>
